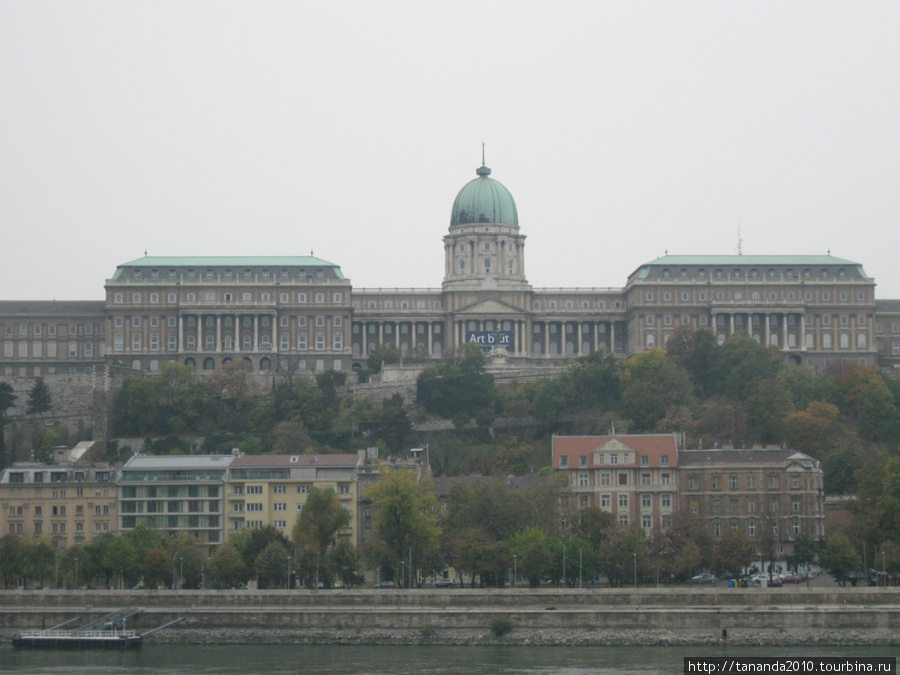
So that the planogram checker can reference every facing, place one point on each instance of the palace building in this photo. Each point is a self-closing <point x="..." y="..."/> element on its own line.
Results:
<point x="302" y="313"/>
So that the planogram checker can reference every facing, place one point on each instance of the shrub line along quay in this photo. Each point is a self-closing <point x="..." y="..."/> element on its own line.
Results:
<point x="876" y="612"/>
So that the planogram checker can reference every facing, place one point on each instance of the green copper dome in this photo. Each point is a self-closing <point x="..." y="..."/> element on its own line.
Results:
<point x="484" y="200"/>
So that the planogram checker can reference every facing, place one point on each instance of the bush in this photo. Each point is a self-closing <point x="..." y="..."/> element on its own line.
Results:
<point x="501" y="626"/>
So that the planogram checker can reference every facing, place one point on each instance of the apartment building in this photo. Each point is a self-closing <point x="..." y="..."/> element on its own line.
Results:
<point x="175" y="493"/>
<point x="271" y="490"/>
<point x="69" y="503"/>
<point x="634" y="477"/>
<point x="753" y="490"/>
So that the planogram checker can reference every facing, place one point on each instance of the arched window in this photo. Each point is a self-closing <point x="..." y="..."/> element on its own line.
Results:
<point x="190" y="362"/>
<point x="512" y="266"/>
<point x="210" y="342"/>
<point x="826" y="341"/>
<point x="462" y="265"/>
<point x="172" y="343"/>
<point x="265" y="342"/>
<point x="320" y="342"/>
<point x="191" y="343"/>
<point x="265" y="363"/>
<point x="135" y="365"/>
<point x="651" y="340"/>
<point x="338" y="365"/>
<point x="338" y="341"/>
<point x="283" y="342"/>
<point x="154" y="365"/>
<point x="845" y="341"/>
<point x="861" y="341"/>
<point x="810" y="341"/>
<point x="487" y="265"/>
<point x="209" y="363"/>
<point x="247" y="343"/>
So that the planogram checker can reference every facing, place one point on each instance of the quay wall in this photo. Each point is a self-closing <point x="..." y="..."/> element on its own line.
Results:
<point x="699" y="610"/>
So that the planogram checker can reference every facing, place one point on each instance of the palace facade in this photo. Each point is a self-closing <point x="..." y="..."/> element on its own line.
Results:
<point x="301" y="313"/>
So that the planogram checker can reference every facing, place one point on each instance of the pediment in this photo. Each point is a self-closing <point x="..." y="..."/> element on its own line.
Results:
<point x="489" y="306"/>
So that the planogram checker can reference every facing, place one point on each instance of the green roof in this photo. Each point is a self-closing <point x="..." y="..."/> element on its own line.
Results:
<point x="230" y="261"/>
<point x="750" y="260"/>
<point x="484" y="200"/>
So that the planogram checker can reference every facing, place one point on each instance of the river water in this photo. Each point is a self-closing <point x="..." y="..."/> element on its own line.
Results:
<point x="393" y="660"/>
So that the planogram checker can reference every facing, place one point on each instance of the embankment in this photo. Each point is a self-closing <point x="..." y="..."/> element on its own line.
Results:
<point x="461" y="616"/>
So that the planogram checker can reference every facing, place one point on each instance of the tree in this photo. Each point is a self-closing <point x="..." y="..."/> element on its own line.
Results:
<point x="623" y="553"/>
<point x="226" y="567"/>
<point x="7" y="400"/>
<point x="806" y="549"/>
<point x="392" y="425"/>
<point x="696" y="352"/>
<point x="733" y="552"/>
<point x="271" y="565"/>
<point x="741" y="362"/>
<point x="291" y="437"/>
<point x="39" y="399"/>
<point x="458" y="389"/>
<point x="381" y="355"/>
<point x="533" y="557"/>
<point x="767" y="405"/>
<point x="652" y="385"/>
<point x="877" y="506"/>
<point x="320" y="522"/>
<point x="405" y="520"/>
<point x="839" y="558"/>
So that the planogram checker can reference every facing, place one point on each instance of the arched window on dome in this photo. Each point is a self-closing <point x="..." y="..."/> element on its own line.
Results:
<point x="487" y="265"/>
<point x="512" y="266"/>
<point x="462" y="265"/>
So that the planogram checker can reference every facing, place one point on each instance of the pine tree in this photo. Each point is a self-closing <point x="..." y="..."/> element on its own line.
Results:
<point x="39" y="400"/>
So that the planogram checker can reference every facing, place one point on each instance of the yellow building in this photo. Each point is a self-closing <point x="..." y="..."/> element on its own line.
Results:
<point x="69" y="503"/>
<point x="272" y="489"/>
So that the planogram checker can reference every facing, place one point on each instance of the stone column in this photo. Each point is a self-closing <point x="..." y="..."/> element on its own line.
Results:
<point x="802" y="333"/>
<point x="784" y="333"/>
<point x="364" y="328"/>
<point x="237" y="332"/>
<point x="546" y="338"/>
<point x="612" y="337"/>
<point x="275" y="332"/>
<point x="766" y="330"/>
<point x="218" y="332"/>
<point x="199" y="332"/>
<point x="428" y="329"/>
<point x="255" y="332"/>
<point x="180" y="333"/>
<point x="730" y="323"/>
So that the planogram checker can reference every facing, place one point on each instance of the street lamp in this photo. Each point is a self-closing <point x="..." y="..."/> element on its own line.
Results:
<point x="634" y="555"/>
<point x="76" y="573"/>
<point x="515" y="569"/>
<point x="580" y="551"/>
<point x="564" y="564"/>
<point x="289" y="572"/>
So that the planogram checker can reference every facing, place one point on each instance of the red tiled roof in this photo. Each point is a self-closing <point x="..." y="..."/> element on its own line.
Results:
<point x="653" y="445"/>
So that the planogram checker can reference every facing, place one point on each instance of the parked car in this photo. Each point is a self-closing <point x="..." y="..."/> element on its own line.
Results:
<point x="444" y="583"/>
<point x="791" y="579"/>
<point x="704" y="579"/>
<point x="384" y="584"/>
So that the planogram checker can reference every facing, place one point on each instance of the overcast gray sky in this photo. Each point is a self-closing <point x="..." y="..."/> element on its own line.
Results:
<point x="622" y="129"/>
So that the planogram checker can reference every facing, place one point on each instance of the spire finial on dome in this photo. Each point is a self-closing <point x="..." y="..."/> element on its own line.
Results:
<point x="482" y="170"/>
